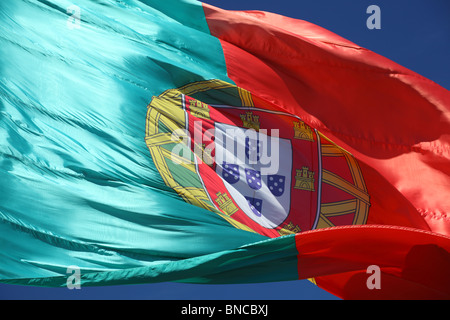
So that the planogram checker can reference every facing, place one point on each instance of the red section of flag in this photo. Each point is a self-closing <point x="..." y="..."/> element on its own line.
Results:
<point x="414" y="264"/>
<point x="395" y="122"/>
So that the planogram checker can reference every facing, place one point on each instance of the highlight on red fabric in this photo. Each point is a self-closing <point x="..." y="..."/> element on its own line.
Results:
<point x="395" y="122"/>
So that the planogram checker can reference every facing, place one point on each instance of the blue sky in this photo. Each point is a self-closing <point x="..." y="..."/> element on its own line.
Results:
<point x="414" y="33"/>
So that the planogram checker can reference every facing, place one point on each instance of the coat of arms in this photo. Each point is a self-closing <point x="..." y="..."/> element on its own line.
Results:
<point x="261" y="169"/>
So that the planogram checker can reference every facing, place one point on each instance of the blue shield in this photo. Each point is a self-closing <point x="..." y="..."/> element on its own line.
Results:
<point x="253" y="178"/>
<point x="252" y="149"/>
<point x="230" y="172"/>
<point x="255" y="205"/>
<point x="276" y="184"/>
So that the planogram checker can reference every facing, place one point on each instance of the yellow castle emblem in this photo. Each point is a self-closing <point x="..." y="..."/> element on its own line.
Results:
<point x="289" y="228"/>
<point x="304" y="179"/>
<point x="225" y="203"/>
<point x="250" y="121"/>
<point x="199" y="109"/>
<point x="302" y="131"/>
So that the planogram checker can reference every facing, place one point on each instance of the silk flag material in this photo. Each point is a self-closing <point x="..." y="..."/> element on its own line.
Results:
<point x="151" y="141"/>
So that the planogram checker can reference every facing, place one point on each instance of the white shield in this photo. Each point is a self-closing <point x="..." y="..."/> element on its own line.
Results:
<point x="256" y="169"/>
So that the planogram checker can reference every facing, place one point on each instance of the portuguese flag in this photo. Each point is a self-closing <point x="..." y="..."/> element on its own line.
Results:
<point x="153" y="141"/>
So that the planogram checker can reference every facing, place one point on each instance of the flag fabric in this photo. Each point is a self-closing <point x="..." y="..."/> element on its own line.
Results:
<point x="150" y="141"/>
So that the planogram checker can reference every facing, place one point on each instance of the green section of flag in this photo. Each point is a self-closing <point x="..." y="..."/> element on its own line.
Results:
<point x="77" y="182"/>
<point x="264" y="261"/>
